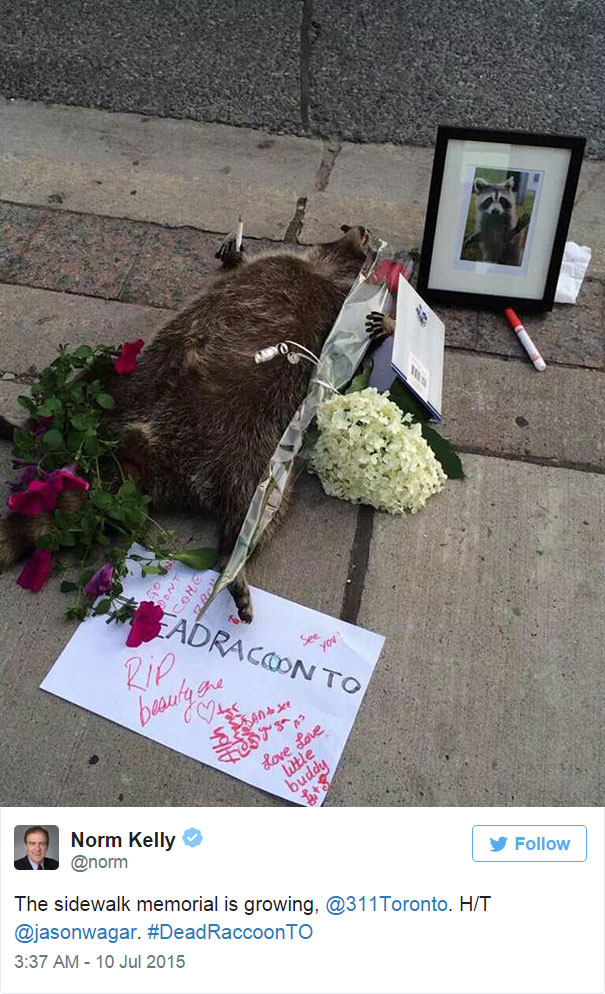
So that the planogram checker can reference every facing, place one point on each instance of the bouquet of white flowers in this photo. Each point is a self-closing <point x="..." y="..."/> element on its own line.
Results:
<point x="369" y="452"/>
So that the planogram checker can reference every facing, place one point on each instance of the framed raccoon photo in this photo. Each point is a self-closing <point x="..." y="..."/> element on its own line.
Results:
<point x="498" y="213"/>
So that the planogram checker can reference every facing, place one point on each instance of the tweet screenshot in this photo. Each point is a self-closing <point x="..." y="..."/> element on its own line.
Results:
<point x="335" y="900"/>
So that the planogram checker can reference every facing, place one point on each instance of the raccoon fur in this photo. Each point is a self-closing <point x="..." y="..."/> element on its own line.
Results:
<point x="198" y="421"/>
<point x="497" y="226"/>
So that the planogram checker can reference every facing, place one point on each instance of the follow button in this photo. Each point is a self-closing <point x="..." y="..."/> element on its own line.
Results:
<point x="529" y="843"/>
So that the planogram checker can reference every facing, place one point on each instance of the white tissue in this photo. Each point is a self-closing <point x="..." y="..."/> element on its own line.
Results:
<point x="573" y="270"/>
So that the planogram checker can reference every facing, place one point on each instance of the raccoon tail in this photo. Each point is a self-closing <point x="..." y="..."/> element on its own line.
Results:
<point x="18" y="535"/>
<point x="239" y="589"/>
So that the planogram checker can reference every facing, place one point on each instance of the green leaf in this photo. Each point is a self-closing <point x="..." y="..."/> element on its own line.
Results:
<point x="406" y="401"/>
<point x="74" y="441"/>
<point x="105" y="400"/>
<point x="102" y="606"/>
<point x="67" y="586"/>
<point x="197" y="558"/>
<point x="52" y="440"/>
<point x="50" y="407"/>
<point x="128" y="489"/>
<point x="82" y="352"/>
<point x="80" y="421"/>
<point x="22" y="445"/>
<point x="103" y="500"/>
<point x="25" y="402"/>
<point x="444" y="453"/>
<point x="361" y="381"/>
<point x="153" y="570"/>
<point x="91" y="444"/>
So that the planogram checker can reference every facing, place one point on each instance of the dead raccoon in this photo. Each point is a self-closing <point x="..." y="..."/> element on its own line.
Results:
<point x="498" y="234"/>
<point x="198" y="420"/>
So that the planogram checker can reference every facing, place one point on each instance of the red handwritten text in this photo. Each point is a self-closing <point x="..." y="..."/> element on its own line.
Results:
<point x="329" y="642"/>
<point x="307" y="639"/>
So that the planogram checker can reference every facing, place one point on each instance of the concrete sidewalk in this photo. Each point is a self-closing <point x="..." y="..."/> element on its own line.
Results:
<point x="490" y="687"/>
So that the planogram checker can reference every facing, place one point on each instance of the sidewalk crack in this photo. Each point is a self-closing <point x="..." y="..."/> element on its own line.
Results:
<point x="330" y="154"/>
<point x="358" y="563"/>
<point x="295" y="227"/>
<point x="135" y="260"/>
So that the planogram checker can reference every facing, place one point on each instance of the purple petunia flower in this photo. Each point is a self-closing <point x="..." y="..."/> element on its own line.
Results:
<point x="101" y="582"/>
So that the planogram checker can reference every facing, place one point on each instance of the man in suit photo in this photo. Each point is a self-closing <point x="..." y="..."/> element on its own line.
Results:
<point x="36" y="841"/>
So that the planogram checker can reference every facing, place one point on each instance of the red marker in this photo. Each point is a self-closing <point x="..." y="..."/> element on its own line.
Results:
<point x="525" y="340"/>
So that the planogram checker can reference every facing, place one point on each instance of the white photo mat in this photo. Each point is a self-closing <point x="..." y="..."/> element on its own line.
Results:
<point x="462" y="157"/>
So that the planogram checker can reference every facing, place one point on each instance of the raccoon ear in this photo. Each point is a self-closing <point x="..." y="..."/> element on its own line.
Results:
<point x="510" y="183"/>
<point x="479" y="185"/>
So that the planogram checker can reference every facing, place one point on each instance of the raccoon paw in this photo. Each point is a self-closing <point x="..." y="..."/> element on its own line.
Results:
<point x="245" y="612"/>
<point x="379" y="325"/>
<point x="240" y="591"/>
<point x="229" y="255"/>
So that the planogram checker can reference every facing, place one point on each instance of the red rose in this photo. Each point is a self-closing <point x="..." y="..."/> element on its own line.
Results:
<point x="34" y="574"/>
<point x="145" y="624"/>
<point x="388" y="272"/>
<point x="127" y="359"/>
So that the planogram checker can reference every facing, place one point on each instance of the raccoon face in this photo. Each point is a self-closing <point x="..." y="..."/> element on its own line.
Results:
<point x="494" y="198"/>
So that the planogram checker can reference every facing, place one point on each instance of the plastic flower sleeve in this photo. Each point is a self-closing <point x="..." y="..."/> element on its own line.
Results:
<point x="342" y="353"/>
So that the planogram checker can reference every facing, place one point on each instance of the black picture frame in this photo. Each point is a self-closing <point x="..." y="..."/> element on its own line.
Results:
<point x="498" y="264"/>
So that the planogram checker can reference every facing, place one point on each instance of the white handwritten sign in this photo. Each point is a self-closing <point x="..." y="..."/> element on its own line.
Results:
<point x="271" y="703"/>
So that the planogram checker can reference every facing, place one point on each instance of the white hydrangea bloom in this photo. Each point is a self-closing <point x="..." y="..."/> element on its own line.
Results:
<point x="368" y="452"/>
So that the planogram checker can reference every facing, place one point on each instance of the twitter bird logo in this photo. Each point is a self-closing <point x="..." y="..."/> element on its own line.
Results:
<point x="498" y="844"/>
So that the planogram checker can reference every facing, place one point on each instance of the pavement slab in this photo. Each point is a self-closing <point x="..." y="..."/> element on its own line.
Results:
<point x="506" y="408"/>
<point x="35" y="322"/>
<point x="136" y="262"/>
<point x="394" y="220"/>
<point x="183" y="172"/>
<point x="175" y="265"/>
<point x="570" y="333"/>
<point x="489" y="689"/>
<point x="17" y="226"/>
<point x="77" y="253"/>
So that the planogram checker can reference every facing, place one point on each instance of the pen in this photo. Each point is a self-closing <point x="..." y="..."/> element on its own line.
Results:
<point x="524" y="338"/>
